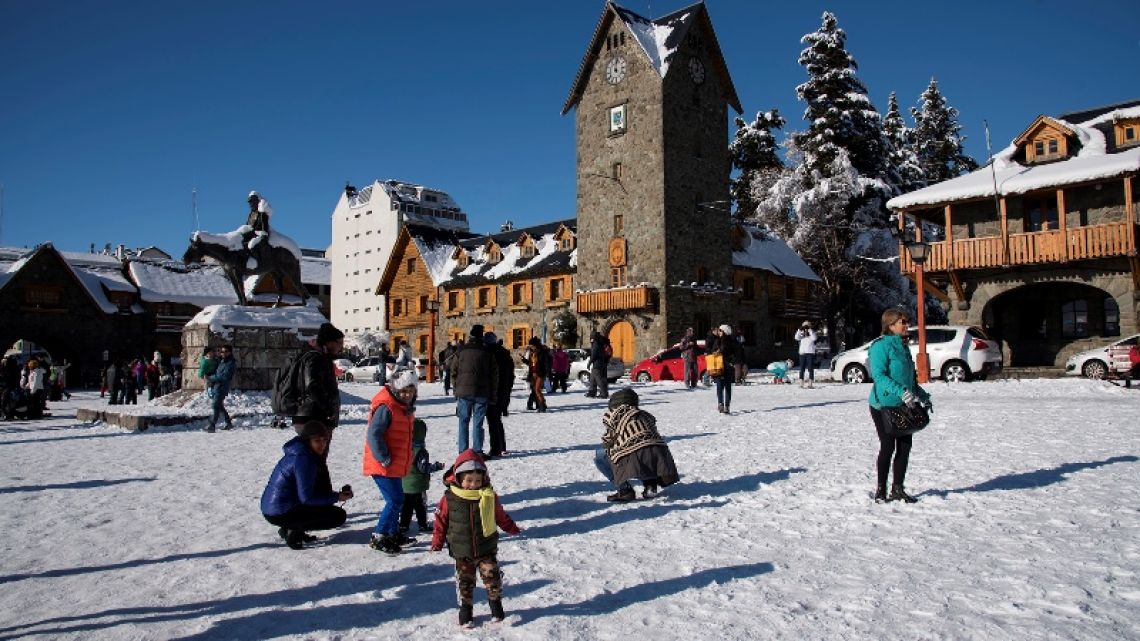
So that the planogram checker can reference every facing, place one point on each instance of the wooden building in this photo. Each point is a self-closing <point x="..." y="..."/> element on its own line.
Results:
<point x="1046" y="262"/>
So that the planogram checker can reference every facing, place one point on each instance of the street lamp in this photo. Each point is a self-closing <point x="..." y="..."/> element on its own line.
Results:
<point x="919" y="252"/>
<point x="433" y="309"/>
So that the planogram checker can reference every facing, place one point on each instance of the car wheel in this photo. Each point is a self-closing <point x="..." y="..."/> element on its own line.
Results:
<point x="955" y="372"/>
<point x="348" y="378"/>
<point x="854" y="373"/>
<point x="584" y="377"/>
<point x="1095" y="369"/>
<point x="644" y="377"/>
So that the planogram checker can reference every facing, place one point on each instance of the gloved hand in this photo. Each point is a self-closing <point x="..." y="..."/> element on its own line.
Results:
<point x="437" y="466"/>
<point x="929" y="406"/>
<point x="909" y="399"/>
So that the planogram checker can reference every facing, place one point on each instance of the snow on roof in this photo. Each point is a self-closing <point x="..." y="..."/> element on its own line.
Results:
<point x="168" y="281"/>
<point x="1092" y="162"/>
<point x="316" y="271"/>
<point x="222" y="319"/>
<point x="548" y="257"/>
<point x="93" y="281"/>
<point x="655" y="36"/>
<point x="764" y="250"/>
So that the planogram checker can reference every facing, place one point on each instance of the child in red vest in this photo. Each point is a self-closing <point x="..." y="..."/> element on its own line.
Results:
<point x="388" y="455"/>
<point x="468" y="518"/>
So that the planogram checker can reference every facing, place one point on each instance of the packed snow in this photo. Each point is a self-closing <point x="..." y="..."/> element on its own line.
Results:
<point x="1027" y="525"/>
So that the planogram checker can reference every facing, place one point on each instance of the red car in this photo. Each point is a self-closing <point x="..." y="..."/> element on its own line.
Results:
<point x="667" y="365"/>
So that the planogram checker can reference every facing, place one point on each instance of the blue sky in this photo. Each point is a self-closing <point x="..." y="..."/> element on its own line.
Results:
<point x="111" y="112"/>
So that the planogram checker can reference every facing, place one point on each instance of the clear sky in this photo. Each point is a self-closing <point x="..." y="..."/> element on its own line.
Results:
<point x="111" y="111"/>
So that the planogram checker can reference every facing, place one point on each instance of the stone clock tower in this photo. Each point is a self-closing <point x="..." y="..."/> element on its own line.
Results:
<point x="651" y="100"/>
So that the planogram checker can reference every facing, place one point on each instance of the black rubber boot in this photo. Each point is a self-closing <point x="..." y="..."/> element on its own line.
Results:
<point x="624" y="495"/>
<point x="898" y="494"/>
<point x="465" y="616"/>
<point x="880" y="494"/>
<point x="496" y="609"/>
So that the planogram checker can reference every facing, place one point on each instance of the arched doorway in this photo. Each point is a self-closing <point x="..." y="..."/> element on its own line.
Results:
<point x="1042" y="324"/>
<point x="622" y="341"/>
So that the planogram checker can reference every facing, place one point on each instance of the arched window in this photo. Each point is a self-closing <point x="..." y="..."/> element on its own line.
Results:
<point x="1075" y="319"/>
<point x="1111" y="317"/>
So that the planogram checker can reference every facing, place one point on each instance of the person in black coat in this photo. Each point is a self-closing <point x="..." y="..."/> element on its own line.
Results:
<point x="320" y="400"/>
<point x="497" y="404"/>
<point x="475" y="379"/>
<point x="728" y="347"/>
<point x="598" y="364"/>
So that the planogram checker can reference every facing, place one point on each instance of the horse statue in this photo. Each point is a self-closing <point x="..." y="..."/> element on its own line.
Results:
<point x="273" y="254"/>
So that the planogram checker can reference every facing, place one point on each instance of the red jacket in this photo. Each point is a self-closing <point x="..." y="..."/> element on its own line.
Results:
<point x="439" y="532"/>
<point x="398" y="437"/>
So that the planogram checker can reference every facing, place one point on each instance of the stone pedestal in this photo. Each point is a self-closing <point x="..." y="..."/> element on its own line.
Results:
<point x="264" y="340"/>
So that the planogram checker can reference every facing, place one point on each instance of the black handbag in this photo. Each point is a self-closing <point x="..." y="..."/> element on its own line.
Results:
<point x="905" y="420"/>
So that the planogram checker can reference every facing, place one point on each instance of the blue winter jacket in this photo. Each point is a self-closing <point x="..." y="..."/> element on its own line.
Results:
<point x="222" y="376"/>
<point x="297" y="480"/>
<point x="892" y="372"/>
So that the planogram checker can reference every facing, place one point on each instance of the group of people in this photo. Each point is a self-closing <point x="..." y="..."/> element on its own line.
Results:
<point x="125" y="380"/>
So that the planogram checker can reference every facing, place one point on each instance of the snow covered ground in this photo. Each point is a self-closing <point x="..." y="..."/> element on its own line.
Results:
<point x="1027" y="526"/>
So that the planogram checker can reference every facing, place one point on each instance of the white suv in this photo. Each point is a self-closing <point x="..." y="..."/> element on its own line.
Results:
<point x="1093" y="363"/>
<point x="956" y="353"/>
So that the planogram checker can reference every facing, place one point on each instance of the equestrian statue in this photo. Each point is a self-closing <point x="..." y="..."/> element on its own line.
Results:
<point x="251" y="250"/>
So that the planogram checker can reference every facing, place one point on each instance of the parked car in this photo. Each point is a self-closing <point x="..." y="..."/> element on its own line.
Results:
<point x="1093" y="363"/>
<point x="667" y="365"/>
<point x="366" y="370"/>
<point x="956" y="353"/>
<point x="578" y="370"/>
<point x="341" y="367"/>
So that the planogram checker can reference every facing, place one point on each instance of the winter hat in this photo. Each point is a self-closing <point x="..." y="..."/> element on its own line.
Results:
<point x="477" y="331"/>
<point x="327" y="333"/>
<point x="534" y="341"/>
<point x="470" y="465"/>
<point x="726" y="329"/>
<point x="406" y="378"/>
<point x="490" y="339"/>
<point x="419" y="431"/>
<point x="313" y="429"/>
<point x="806" y="324"/>
<point x="624" y="396"/>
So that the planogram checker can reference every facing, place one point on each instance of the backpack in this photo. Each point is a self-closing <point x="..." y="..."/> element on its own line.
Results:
<point x="289" y="387"/>
<point x="544" y="362"/>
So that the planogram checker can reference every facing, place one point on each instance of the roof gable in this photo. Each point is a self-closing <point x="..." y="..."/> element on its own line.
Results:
<point x="89" y="282"/>
<point x="1041" y="124"/>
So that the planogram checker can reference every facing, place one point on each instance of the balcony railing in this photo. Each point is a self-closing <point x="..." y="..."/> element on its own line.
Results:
<point x="617" y="299"/>
<point x="1033" y="248"/>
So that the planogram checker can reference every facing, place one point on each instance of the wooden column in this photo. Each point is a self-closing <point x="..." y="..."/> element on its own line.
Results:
<point x="1129" y="213"/>
<point x="1004" y="233"/>
<point x="949" y="238"/>
<point x="1062" y="224"/>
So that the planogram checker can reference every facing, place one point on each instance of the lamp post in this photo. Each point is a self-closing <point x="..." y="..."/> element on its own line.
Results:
<point x="919" y="252"/>
<point x="433" y="309"/>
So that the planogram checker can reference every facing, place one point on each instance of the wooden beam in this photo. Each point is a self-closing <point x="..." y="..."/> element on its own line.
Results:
<point x="1130" y="214"/>
<point x="1004" y="233"/>
<point x="1061" y="223"/>
<point x="949" y="238"/>
<point x="956" y="283"/>
<point x="929" y="288"/>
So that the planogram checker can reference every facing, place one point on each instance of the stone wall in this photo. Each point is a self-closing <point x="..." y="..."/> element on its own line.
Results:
<point x="259" y="352"/>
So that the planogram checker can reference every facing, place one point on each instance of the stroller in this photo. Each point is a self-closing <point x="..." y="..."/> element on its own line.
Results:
<point x="17" y="404"/>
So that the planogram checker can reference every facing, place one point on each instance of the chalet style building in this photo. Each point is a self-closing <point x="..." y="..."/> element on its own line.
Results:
<point x="652" y="250"/>
<point x="1046" y="262"/>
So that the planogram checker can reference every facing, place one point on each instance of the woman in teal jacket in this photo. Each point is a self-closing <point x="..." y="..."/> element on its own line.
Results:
<point x="893" y="376"/>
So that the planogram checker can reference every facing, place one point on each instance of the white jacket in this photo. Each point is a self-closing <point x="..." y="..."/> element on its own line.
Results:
<point x="807" y="340"/>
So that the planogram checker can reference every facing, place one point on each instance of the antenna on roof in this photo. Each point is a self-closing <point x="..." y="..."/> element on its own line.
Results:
<point x="993" y="172"/>
<point x="194" y="207"/>
<point x="507" y="226"/>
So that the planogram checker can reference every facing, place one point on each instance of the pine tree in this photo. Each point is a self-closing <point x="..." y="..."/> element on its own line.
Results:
<point x="753" y="152"/>
<point x="902" y="156"/>
<point x="837" y="185"/>
<point x="938" y="137"/>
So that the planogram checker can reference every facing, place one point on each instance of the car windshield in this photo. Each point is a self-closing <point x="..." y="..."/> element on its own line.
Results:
<point x="977" y="332"/>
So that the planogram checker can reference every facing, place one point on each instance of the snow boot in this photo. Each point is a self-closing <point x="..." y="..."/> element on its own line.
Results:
<point x="720" y="408"/>
<point x="624" y="495"/>
<point x="497" y="614"/>
<point x="465" y="618"/>
<point x="898" y="494"/>
<point x="403" y="539"/>
<point x="284" y="534"/>
<point x="650" y="488"/>
<point x="881" y="494"/>
<point x="295" y="539"/>
<point x="384" y="544"/>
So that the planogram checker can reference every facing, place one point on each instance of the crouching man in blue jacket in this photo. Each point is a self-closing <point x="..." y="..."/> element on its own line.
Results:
<point x="299" y="496"/>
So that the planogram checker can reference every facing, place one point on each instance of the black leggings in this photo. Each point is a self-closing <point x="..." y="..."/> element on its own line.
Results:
<point x="897" y="445"/>
<point x="309" y="517"/>
<point x="414" y="504"/>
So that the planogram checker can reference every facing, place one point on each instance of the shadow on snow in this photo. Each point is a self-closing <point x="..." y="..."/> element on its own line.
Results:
<point x="1034" y="479"/>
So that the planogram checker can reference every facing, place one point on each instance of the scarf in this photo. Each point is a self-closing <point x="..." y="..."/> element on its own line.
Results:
<point x="486" y="497"/>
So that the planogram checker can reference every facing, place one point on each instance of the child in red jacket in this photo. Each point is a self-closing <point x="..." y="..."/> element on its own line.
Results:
<point x="466" y="518"/>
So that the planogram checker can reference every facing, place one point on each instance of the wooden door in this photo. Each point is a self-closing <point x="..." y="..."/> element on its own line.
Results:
<point x="622" y="341"/>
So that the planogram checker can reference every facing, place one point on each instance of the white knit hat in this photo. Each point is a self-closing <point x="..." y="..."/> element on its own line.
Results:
<point x="406" y="378"/>
<point x="726" y="329"/>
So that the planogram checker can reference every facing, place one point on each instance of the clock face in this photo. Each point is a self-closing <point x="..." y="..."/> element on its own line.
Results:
<point x="696" y="70"/>
<point x="615" y="70"/>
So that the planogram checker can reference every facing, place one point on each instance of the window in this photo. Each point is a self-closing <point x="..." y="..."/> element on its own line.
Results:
<point x="453" y="301"/>
<point x="617" y="119"/>
<point x="519" y="336"/>
<point x="1053" y="147"/>
<point x="567" y="243"/>
<point x="1040" y="214"/>
<point x="1075" y="319"/>
<point x="494" y="255"/>
<point x="528" y="250"/>
<point x="702" y="274"/>
<point x="483" y="296"/>
<point x="749" y="287"/>
<point x="423" y="305"/>
<point x="1130" y="133"/>
<point x="42" y="295"/>
<point x="617" y="276"/>
<point x="411" y="266"/>
<point x="1039" y="148"/>
<point x="555" y="292"/>
<point x="518" y="294"/>
<point x="462" y="259"/>
<point x="1111" y="317"/>
<point x="422" y="343"/>
<point x="619" y="224"/>
<point x="397" y="307"/>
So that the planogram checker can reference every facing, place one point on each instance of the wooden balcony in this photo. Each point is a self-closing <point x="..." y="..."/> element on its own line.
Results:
<point x="1035" y="248"/>
<point x="617" y="299"/>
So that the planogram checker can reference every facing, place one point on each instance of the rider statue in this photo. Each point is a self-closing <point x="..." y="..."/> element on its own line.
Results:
<point x="258" y="223"/>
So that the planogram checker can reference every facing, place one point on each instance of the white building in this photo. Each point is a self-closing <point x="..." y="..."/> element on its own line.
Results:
<point x="365" y="225"/>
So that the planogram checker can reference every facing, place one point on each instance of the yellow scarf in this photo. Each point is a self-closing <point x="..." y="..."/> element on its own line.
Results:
<point x="486" y="497"/>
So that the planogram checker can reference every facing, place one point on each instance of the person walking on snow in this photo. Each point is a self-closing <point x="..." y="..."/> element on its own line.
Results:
<point x="219" y="383"/>
<point x="807" y="337"/>
<point x="388" y="455"/>
<point x="689" y="358"/>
